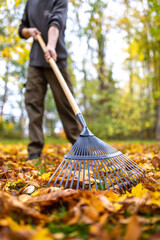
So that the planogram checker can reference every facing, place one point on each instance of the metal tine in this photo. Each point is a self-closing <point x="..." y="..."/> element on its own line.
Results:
<point x="123" y="162"/>
<point x="69" y="174"/>
<point x="83" y="187"/>
<point x="94" y="175"/>
<point x="137" y="168"/>
<point x="89" y="175"/>
<point x="92" y="148"/>
<point x="110" y="159"/>
<point x="98" y="150"/>
<point x="133" y="163"/>
<point x="71" y="151"/>
<point x="79" y="174"/>
<point x="113" y="175"/>
<point x="55" y="172"/>
<point x="129" y="164"/>
<point x="106" y="161"/>
<point x="107" y="175"/>
<point x="115" y="159"/>
<point x="64" y="174"/>
<point x="133" y="169"/>
<point x="74" y="174"/>
<point x="60" y="173"/>
<point x="98" y="174"/>
<point x="88" y="149"/>
<point x="120" y="168"/>
<point x="104" y="176"/>
<point x="77" y="150"/>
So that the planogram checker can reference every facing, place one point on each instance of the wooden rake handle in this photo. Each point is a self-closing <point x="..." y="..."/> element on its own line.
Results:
<point x="60" y="78"/>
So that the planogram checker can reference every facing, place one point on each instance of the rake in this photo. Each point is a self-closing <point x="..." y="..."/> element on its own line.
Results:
<point x="91" y="163"/>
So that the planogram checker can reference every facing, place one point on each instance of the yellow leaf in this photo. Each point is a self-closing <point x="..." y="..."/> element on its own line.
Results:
<point x="118" y="206"/>
<point x="17" y="2"/>
<point x="35" y="193"/>
<point x="42" y="235"/>
<point x="18" y="181"/>
<point x="138" y="190"/>
<point x="46" y="175"/>
<point x="15" y="227"/>
<point x="113" y="197"/>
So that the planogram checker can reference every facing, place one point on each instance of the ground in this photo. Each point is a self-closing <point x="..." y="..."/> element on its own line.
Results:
<point x="30" y="211"/>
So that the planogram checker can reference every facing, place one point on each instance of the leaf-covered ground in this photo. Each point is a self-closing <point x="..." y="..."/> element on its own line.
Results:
<point x="30" y="211"/>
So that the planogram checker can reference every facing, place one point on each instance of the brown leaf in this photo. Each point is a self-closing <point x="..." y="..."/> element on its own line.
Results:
<point x="156" y="161"/>
<point x="4" y="168"/>
<point x="133" y="229"/>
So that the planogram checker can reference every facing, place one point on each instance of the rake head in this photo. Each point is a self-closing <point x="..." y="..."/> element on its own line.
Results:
<point x="93" y="164"/>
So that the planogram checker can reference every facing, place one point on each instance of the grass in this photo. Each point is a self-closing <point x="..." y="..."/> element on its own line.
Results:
<point x="49" y="140"/>
<point x="59" y="140"/>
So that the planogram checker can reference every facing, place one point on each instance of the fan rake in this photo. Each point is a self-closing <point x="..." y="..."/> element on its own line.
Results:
<point x="91" y="163"/>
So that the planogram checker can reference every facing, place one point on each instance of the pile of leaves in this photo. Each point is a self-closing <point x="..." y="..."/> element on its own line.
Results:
<point x="30" y="211"/>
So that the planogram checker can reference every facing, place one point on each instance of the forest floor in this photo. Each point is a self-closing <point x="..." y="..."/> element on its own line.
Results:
<point x="30" y="211"/>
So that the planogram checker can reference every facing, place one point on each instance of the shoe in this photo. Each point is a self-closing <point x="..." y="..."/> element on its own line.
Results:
<point x="32" y="156"/>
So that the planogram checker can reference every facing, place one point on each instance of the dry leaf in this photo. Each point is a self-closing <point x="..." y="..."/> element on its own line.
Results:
<point x="133" y="229"/>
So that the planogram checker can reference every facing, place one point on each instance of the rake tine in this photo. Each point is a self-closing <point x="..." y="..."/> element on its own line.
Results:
<point x="60" y="173"/>
<point x="120" y="172"/>
<point x="104" y="176"/>
<point x="98" y="174"/>
<point x="79" y="174"/>
<point x="112" y="175"/>
<point x="83" y="175"/>
<point x="64" y="174"/>
<point x="73" y="175"/>
<point x="117" y="163"/>
<point x="106" y="160"/>
<point x="133" y="163"/>
<point x="69" y="174"/>
<point x="133" y="170"/>
<point x="89" y="175"/>
<point x="115" y="174"/>
<point x="94" y="175"/>
<point x="55" y="172"/>
<point x="100" y="152"/>
<point x="129" y="168"/>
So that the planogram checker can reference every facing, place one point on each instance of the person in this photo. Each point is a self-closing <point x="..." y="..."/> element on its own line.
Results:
<point x="47" y="18"/>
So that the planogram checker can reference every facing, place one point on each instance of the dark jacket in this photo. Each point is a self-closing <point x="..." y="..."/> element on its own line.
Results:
<point x="42" y="14"/>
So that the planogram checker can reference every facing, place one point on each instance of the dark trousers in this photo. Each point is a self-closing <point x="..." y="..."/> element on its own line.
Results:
<point x="36" y="88"/>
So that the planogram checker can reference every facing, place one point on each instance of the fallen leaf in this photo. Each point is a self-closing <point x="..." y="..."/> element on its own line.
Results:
<point x="29" y="189"/>
<point x="133" y="229"/>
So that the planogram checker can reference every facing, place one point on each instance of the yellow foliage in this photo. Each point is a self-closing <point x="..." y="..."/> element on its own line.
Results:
<point x="46" y="175"/>
<point x="16" y="227"/>
<point x="35" y="193"/>
<point x="6" y="52"/>
<point x="139" y="190"/>
<point x="17" y="3"/>
<point x="42" y="235"/>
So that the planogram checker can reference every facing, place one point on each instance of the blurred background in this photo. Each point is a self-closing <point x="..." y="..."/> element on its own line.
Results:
<point x="114" y="62"/>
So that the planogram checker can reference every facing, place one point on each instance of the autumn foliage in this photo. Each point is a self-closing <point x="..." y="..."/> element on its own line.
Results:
<point x="30" y="211"/>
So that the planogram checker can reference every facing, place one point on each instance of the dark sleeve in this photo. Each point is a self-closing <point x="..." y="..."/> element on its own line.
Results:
<point x="58" y="14"/>
<point x="24" y="21"/>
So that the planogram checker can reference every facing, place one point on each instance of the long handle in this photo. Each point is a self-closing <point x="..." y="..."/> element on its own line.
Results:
<point x="60" y="78"/>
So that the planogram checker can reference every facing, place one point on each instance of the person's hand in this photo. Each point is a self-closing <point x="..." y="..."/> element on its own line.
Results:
<point x="50" y="52"/>
<point x="33" y="32"/>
